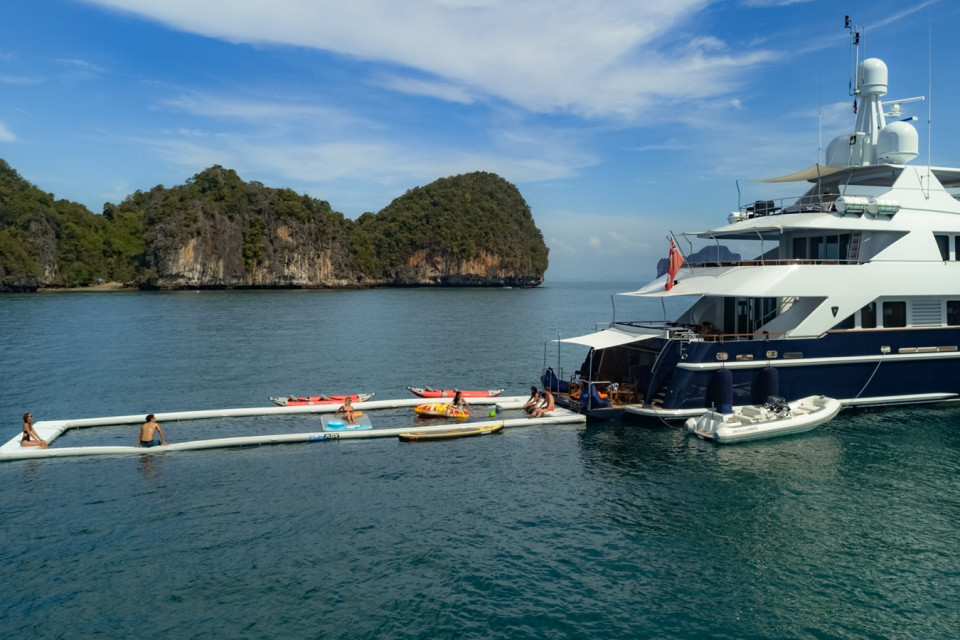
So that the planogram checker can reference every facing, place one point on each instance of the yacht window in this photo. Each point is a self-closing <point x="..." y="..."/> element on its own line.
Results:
<point x="943" y="243"/>
<point x="868" y="316"/>
<point x="956" y="248"/>
<point x="846" y="323"/>
<point x="876" y="178"/>
<point x="895" y="314"/>
<point x="953" y="313"/>
<point x="800" y="248"/>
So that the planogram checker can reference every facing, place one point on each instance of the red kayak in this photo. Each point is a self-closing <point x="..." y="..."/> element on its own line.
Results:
<point x="427" y="392"/>
<point x="303" y="401"/>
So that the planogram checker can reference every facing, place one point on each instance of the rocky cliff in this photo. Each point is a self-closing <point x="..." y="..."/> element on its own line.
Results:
<point x="217" y="231"/>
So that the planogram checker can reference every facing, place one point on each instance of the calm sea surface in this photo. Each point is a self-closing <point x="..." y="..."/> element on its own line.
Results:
<point x="604" y="531"/>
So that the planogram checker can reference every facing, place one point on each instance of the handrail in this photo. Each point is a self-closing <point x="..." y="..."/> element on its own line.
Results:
<point x="774" y="263"/>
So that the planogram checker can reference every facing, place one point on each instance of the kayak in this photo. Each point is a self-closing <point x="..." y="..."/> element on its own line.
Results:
<point x="302" y="401"/>
<point x="427" y="392"/>
<point x="452" y="433"/>
<point x="440" y="410"/>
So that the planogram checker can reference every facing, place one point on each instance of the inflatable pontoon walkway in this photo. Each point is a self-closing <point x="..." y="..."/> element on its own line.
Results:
<point x="50" y="430"/>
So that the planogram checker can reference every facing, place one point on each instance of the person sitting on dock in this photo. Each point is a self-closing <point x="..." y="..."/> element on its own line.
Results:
<point x="30" y="437"/>
<point x="347" y="411"/>
<point x="533" y="401"/>
<point x="545" y="406"/>
<point x="151" y="435"/>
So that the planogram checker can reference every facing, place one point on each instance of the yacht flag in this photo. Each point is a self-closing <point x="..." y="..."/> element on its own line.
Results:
<point x="674" y="260"/>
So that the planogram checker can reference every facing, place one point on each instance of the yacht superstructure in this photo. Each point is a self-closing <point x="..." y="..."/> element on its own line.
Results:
<point x="853" y="293"/>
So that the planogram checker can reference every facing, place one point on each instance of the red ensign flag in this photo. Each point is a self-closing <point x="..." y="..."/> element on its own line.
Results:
<point x="674" y="260"/>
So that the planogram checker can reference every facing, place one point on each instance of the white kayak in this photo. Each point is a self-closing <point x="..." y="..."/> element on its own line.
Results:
<point x="754" y="422"/>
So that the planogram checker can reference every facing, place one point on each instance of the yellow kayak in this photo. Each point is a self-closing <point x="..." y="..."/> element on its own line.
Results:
<point x="465" y="432"/>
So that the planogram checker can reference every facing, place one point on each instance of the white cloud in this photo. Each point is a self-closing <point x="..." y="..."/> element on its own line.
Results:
<point x="5" y="134"/>
<point x="591" y="59"/>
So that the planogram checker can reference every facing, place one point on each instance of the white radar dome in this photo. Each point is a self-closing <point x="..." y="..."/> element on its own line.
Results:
<point x="898" y="143"/>
<point x="840" y="152"/>
<point x="872" y="76"/>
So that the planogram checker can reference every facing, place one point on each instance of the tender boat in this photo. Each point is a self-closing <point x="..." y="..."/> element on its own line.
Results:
<point x="427" y="392"/>
<point x="452" y="433"/>
<point x="755" y="422"/>
<point x="440" y="410"/>
<point x="851" y="288"/>
<point x="303" y="401"/>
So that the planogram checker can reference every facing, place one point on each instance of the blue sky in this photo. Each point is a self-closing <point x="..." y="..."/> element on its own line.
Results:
<point x="619" y="121"/>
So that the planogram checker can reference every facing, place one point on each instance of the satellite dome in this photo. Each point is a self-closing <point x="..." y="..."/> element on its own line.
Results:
<point x="898" y="143"/>
<point x="872" y="76"/>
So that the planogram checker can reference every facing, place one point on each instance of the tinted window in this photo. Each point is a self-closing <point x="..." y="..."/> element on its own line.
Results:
<point x="943" y="243"/>
<point x="846" y="323"/>
<point x="953" y="312"/>
<point x="868" y="316"/>
<point x="800" y="248"/>
<point x="894" y="314"/>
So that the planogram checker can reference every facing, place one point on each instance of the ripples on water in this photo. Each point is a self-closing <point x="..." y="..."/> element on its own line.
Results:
<point x="559" y="532"/>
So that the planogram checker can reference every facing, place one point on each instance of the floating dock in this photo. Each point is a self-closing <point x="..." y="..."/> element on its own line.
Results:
<point x="50" y="430"/>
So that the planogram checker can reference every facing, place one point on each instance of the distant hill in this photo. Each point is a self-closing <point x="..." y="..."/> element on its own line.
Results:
<point x="706" y="255"/>
<point x="217" y="231"/>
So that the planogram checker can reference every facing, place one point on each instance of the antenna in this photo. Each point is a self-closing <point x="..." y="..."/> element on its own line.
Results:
<point x="855" y="31"/>
<point x="929" y="93"/>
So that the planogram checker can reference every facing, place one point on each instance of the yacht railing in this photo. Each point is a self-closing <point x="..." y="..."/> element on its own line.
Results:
<point x="763" y="262"/>
<point x="816" y="203"/>
<point x="674" y="331"/>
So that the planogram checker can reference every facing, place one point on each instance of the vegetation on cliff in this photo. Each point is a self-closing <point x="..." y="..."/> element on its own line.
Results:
<point x="460" y="219"/>
<point x="47" y="241"/>
<point x="218" y="231"/>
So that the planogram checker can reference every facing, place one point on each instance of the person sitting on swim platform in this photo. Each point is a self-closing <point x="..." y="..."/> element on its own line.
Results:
<point x="533" y="401"/>
<point x="151" y="435"/>
<point x="545" y="406"/>
<point x="30" y="437"/>
<point x="347" y="411"/>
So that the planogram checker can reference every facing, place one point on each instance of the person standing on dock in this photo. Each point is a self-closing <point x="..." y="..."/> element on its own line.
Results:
<point x="149" y="431"/>
<point x="30" y="437"/>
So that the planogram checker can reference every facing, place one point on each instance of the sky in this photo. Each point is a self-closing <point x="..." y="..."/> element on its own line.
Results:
<point x="620" y="121"/>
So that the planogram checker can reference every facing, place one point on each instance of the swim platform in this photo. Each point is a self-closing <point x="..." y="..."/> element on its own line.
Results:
<point x="50" y="430"/>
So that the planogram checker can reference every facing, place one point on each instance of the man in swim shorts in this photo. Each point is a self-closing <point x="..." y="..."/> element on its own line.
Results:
<point x="545" y="406"/>
<point x="149" y="431"/>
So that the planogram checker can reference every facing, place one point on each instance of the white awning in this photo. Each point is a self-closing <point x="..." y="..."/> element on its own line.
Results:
<point x="808" y="174"/>
<point x="608" y="338"/>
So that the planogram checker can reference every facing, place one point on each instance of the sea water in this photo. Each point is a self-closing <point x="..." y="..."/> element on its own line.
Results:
<point x="596" y="531"/>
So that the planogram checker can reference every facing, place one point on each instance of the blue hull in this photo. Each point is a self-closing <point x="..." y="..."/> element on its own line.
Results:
<point x="866" y="367"/>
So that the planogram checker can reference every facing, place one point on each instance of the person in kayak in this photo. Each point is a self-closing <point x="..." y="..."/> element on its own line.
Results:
<point x="30" y="437"/>
<point x="151" y="435"/>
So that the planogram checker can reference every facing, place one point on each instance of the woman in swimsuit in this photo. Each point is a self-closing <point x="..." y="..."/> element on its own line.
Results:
<point x="459" y="402"/>
<point x="533" y="401"/>
<point x="347" y="411"/>
<point x="30" y="437"/>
